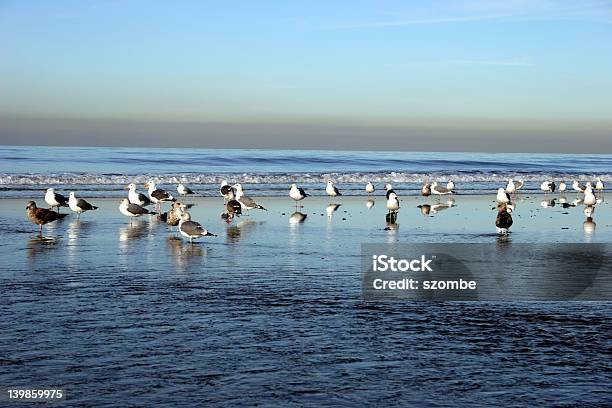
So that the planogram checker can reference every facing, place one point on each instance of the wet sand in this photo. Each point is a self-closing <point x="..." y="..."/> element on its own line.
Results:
<point x="270" y="311"/>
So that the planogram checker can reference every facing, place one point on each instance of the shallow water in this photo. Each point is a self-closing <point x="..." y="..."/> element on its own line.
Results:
<point x="270" y="312"/>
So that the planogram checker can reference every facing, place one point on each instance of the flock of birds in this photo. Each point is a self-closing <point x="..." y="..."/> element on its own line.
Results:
<point x="236" y="201"/>
<point x="505" y="204"/>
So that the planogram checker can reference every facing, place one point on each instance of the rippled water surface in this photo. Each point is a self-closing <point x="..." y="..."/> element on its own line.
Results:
<point x="106" y="171"/>
<point x="270" y="312"/>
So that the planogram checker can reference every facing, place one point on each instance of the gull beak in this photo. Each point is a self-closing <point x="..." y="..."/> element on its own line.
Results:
<point x="126" y="187"/>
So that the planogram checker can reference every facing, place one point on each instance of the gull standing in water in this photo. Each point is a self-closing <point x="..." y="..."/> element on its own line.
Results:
<point x="502" y="196"/>
<point x="438" y="190"/>
<point x="393" y="204"/>
<point x="426" y="190"/>
<point x="133" y="210"/>
<point x="599" y="185"/>
<point x="562" y="187"/>
<point x="297" y="193"/>
<point x="137" y="198"/>
<point x="233" y="207"/>
<point x="246" y="202"/>
<point x="173" y="215"/>
<point x="503" y="221"/>
<point x="518" y="184"/>
<point x="589" y="198"/>
<point x="41" y="216"/>
<point x="183" y="190"/>
<point x="450" y="186"/>
<point x="548" y="187"/>
<point x="389" y="190"/>
<point x="191" y="229"/>
<point x="510" y="187"/>
<point x="78" y="205"/>
<point x="369" y="188"/>
<point x="332" y="190"/>
<point x="158" y="195"/>
<point x="225" y="190"/>
<point x="578" y="187"/>
<point x="55" y="200"/>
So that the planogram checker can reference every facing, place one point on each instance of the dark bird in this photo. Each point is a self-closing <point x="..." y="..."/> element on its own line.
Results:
<point x="42" y="216"/>
<point x="426" y="190"/>
<point x="233" y="207"/>
<point x="225" y="190"/>
<point x="503" y="222"/>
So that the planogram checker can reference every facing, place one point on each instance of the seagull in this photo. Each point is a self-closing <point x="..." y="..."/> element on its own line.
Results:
<point x="393" y="204"/>
<point x="133" y="210"/>
<point x="55" y="199"/>
<point x="183" y="190"/>
<point x="438" y="190"/>
<point x="246" y="202"/>
<point x="578" y="187"/>
<point x="518" y="184"/>
<point x="233" y="207"/>
<point x="297" y="193"/>
<point x="599" y="185"/>
<point x="562" y="187"/>
<point x="157" y="195"/>
<point x="225" y="190"/>
<point x="388" y="189"/>
<point x="41" y="216"/>
<point x="191" y="229"/>
<point x="78" y="205"/>
<point x="510" y="187"/>
<point x="503" y="222"/>
<point x="450" y="186"/>
<point x="426" y="190"/>
<point x="173" y="215"/>
<point x="548" y="187"/>
<point x="369" y="188"/>
<point x="589" y="198"/>
<point x="502" y="196"/>
<point x="137" y="198"/>
<point x="332" y="190"/>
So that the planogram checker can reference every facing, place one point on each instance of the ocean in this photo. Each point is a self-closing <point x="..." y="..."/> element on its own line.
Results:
<point x="271" y="312"/>
<point x="106" y="171"/>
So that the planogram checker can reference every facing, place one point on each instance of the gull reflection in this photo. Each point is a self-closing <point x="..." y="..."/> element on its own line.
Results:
<point x="589" y="225"/>
<point x="297" y="218"/>
<point x="41" y="246"/>
<point x="331" y="209"/>
<point x="370" y="203"/>
<point x="391" y="222"/>
<point x="548" y="203"/>
<point x="185" y="254"/>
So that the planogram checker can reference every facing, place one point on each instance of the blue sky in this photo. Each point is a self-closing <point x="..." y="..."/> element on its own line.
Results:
<point x="378" y="63"/>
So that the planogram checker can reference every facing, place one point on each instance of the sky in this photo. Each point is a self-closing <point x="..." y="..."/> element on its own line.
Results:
<point x="513" y="75"/>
